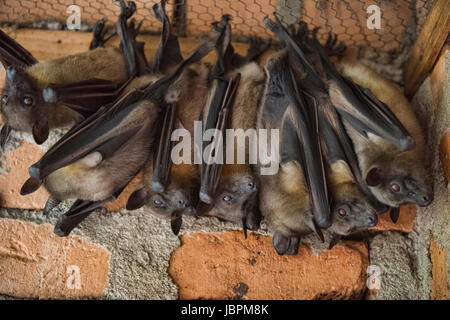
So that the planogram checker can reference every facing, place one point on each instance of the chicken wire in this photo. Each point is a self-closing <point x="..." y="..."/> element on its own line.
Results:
<point x="401" y="20"/>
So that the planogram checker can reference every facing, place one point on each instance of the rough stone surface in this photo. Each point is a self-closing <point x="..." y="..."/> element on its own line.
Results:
<point x="35" y="263"/>
<point x="388" y="252"/>
<point x="227" y="266"/>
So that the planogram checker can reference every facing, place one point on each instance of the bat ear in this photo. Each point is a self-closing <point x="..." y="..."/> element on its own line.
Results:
<point x="11" y="73"/>
<point x="137" y="199"/>
<point x="30" y="186"/>
<point x="334" y="241"/>
<point x="175" y="222"/>
<point x="394" y="214"/>
<point x="40" y="130"/>
<point x="373" y="178"/>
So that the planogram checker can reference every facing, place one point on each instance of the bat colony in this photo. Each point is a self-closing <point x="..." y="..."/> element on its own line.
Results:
<point x="350" y="144"/>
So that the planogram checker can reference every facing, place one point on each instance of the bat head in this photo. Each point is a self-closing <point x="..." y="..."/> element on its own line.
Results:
<point x="399" y="181"/>
<point x="20" y="106"/>
<point x="164" y="204"/>
<point x="237" y="200"/>
<point x="351" y="210"/>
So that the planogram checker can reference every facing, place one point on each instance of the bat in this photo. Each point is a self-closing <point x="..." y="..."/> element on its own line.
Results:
<point x="178" y="194"/>
<point x="230" y="191"/>
<point x="98" y="157"/>
<point x="285" y="200"/>
<point x="299" y="124"/>
<point x="34" y="98"/>
<point x="394" y="176"/>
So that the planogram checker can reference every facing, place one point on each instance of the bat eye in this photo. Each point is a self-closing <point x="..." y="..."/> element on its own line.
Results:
<point x="157" y="203"/>
<point x="28" y="101"/>
<point x="342" y="212"/>
<point x="227" y="198"/>
<point x="395" y="187"/>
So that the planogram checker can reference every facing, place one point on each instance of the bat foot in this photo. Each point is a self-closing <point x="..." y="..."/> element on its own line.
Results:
<point x="50" y="205"/>
<point x="394" y="214"/>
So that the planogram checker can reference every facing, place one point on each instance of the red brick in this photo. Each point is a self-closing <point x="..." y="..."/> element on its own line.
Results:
<point x="444" y="153"/>
<point x="439" y="283"/>
<point x="18" y="161"/>
<point x="213" y="266"/>
<point x="121" y="202"/>
<point x="405" y="221"/>
<point x="35" y="263"/>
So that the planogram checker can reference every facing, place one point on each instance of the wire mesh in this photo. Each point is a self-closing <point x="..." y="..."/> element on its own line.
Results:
<point x="401" y="20"/>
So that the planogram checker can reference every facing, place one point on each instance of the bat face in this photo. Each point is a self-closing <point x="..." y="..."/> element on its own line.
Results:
<point x="351" y="211"/>
<point x="165" y="204"/>
<point x="233" y="201"/>
<point x="397" y="182"/>
<point x="21" y="100"/>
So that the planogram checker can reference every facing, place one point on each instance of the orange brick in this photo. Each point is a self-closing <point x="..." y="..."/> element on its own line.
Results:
<point x="121" y="202"/>
<point x="405" y="221"/>
<point x="439" y="283"/>
<point x="35" y="263"/>
<point x="18" y="161"/>
<point x="444" y="153"/>
<point x="227" y="266"/>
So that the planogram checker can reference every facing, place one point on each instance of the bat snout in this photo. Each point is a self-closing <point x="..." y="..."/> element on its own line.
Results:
<point x="372" y="220"/>
<point x="425" y="200"/>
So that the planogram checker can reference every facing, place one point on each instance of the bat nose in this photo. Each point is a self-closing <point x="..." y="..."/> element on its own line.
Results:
<point x="372" y="221"/>
<point x="426" y="200"/>
<point x="184" y="203"/>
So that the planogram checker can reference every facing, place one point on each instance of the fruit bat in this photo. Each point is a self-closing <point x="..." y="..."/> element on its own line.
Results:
<point x="98" y="157"/>
<point x="298" y="126"/>
<point x="39" y="96"/>
<point x="176" y="193"/>
<point x="394" y="176"/>
<point x="230" y="191"/>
